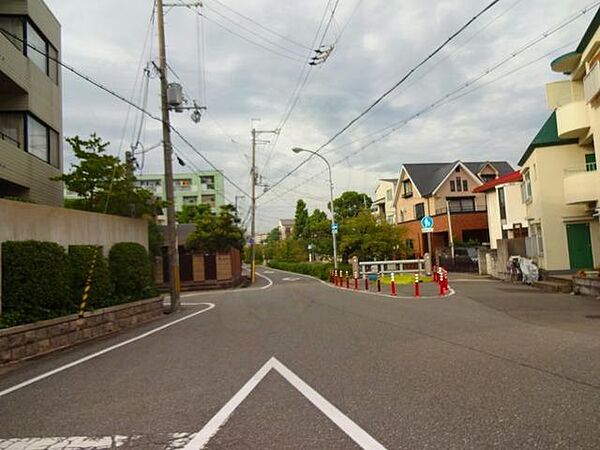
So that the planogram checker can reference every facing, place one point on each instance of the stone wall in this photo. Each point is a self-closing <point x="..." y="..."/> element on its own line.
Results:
<point x="586" y="286"/>
<point x="27" y="341"/>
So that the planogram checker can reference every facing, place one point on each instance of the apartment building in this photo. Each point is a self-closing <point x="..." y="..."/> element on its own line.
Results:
<point x="30" y="102"/>
<point x="506" y="212"/>
<point x="286" y="228"/>
<point x="443" y="190"/>
<point x="561" y="183"/>
<point x="383" y="206"/>
<point x="206" y="187"/>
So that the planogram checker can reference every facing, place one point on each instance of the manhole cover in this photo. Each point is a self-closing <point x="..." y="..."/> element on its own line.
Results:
<point x="593" y="316"/>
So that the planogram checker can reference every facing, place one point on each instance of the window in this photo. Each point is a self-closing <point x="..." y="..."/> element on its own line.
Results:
<point x="390" y="219"/>
<point x="53" y="67"/>
<point x="407" y="189"/>
<point x="37" y="48"/>
<point x="388" y="195"/>
<point x="452" y="186"/>
<point x="410" y="245"/>
<point x="191" y="200"/>
<point x="488" y="177"/>
<point x="12" y="128"/>
<point x="401" y="216"/>
<point x="457" y="169"/>
<point x="465" y="186"/>
<point x="462" y="204"/>
<point x="183" y="184"/>
<point x="458" y="184"/>
<point x="209" y="200"/>
<point x="590" y="162"/>
<point x="208" y="182"/>
<point x="14" y="30"/>
<point x="502" y="203"/>
<point x="526" y="192"/>
<point x="37" y="139"/>
<point x="419" y="210"/>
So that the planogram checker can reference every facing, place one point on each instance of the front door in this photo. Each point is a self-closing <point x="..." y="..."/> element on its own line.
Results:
<point x="580" y="246"/>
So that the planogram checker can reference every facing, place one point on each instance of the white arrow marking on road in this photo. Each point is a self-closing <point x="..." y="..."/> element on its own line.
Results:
<point x="290" y="279"/>
<point x="355" y="432"/>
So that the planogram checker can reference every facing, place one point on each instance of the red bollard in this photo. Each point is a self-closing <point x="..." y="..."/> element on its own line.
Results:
<point x="446" y="282"/>
<point x="355" y="283"/>
<point x="347" y="280"/>
<point x="417" y="287"/>
<point x="393" y="284"/>
<point x="434" y="273"/>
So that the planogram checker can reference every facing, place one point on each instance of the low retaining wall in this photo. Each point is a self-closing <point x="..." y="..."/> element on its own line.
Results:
<point x="27" y="341"/>
<point x="586" y="286"/>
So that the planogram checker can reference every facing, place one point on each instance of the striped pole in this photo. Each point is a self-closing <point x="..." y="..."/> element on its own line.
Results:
<point x="417" y="287"/>
<point x="88" y="283"/>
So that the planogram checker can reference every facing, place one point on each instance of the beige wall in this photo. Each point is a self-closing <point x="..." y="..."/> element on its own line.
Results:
<point x="27" y="88"/>
<point x="381" y="192"/>
<point x="548" y="207"/>
<point x="444" y="191"/>
<point x="515" y="211"/>
<point x="407" y="205"/>
<point x="23" y="221"/>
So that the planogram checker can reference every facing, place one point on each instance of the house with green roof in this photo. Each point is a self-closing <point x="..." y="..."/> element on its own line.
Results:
<point x="561" y="184"/>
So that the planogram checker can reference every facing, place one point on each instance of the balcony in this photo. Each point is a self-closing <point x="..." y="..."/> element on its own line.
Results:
<point x="561" y="93"/>
<point x="573" y="120"/>
<point x="465" y="208"/>
<point x="580" y="186"/>
<point x="591" y="83"/>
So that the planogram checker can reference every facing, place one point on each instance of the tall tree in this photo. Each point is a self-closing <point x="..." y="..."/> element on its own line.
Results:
<point x="192" y="213"/>
<point x="369" y="239"/>
<point x="104" y="183"/>
<point x="350" y="204"/>
<point x="274" y="235"/>
<point x="217" y="232"/>
<point x="300" y="220"/>
<point x="319" y="233"/>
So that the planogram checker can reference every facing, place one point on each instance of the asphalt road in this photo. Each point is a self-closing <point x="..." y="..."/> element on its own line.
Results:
<point x="301" y="365"/>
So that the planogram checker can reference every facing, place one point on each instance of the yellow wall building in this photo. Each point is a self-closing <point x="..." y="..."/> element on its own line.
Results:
<point x="30" y="102"/>
<point x="561" y="183"/>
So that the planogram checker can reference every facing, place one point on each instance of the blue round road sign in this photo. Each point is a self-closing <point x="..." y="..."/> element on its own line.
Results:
<point x="427" y="222"/>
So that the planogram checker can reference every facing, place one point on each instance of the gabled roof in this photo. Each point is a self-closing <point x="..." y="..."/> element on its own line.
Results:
<point x="546" y="137"/>
<point x="389" y="180"/>
<point x="512" y="177"/>
<point x="428" y="176"/>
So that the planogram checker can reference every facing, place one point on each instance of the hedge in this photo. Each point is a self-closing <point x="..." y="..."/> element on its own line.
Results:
<point x="80" y="259"/>
<point x="318" y="270"/>
<point x="36" y="281"/>
<point x="130" y="270"/>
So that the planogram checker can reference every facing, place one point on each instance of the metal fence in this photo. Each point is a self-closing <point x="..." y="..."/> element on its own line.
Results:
<point x="387" y="267"/>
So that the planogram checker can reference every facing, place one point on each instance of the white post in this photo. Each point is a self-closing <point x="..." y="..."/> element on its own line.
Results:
<point x="450" y="229"/>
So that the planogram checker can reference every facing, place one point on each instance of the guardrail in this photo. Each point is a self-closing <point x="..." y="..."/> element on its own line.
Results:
<point x="6" y="137"/>
<point x="396" y="266"/>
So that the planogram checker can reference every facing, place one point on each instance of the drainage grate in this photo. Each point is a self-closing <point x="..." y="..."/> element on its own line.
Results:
<point x="593" y="316"/>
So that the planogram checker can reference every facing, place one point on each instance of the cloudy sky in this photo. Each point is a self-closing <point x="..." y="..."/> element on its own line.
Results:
<point x="375" y="43"/>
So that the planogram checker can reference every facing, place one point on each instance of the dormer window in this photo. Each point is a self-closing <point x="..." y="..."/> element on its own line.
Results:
<point x="407" y="189"/>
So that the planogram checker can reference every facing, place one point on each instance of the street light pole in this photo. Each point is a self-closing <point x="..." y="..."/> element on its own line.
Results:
<point x="333" y="232"/>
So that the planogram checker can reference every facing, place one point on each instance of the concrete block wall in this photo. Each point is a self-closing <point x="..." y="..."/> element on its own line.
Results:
<point x="27" y="341"/>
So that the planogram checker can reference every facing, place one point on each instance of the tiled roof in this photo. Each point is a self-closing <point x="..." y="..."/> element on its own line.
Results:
<point x="546" y="137"/>
<point x="512" y="177"/>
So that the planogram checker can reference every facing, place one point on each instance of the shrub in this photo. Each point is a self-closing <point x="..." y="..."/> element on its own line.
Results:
<point x="317" y="270"/>
<point x="80" y="259"/>
<point x="36" y="283"/>
<point x="130" y="271"/>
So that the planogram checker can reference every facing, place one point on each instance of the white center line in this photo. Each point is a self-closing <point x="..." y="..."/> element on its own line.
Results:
<point x="102" y="352"/>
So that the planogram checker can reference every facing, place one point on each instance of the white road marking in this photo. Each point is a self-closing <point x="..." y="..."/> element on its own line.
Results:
<point x="173" y="441"/>
<point x="102" y="352"/>
<point x="269" y="271"/>
<point x="355" y="432"/>
<point x="227" y="291"/>
<point x="290" y="279"/>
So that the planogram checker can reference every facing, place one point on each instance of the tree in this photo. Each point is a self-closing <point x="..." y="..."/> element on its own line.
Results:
<point x="300" y="220"/>
<point x="274" y="235"/>
<point x="365" y="237"/>
<point x="217" y="232"/>
<point x="192" y="213"/>
<point x="105" y="184"/>
<point x="319" y="233"/>
<point x="350" y="204"/>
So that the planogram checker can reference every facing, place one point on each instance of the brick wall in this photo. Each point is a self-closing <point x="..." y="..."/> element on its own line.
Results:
<point x="461" y="222"/>
<point x="28" y="341"/>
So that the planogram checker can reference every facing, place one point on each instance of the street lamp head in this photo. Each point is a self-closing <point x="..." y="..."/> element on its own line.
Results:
<point x="297" y="149"/>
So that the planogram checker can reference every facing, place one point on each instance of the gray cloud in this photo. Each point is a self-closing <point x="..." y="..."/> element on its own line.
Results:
<point x="383" y="40"/>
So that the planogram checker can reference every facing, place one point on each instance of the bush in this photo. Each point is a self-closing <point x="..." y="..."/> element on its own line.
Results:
<point x="36" y="282"/>
<point x="317" y="270"/>
<point x="80" y="259"/>
<point x="130" y="271"/>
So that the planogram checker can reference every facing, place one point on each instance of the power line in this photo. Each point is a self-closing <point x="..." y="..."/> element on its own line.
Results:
<point x="249" y="19"/>
<point x="124" y="100"/>
<point x="390" y="90"/>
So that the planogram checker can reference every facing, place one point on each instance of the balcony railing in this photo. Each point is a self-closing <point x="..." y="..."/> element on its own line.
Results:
<point x="6" y="137"/>
<point x="591" y="83"/>
<point x="462" y="209"/>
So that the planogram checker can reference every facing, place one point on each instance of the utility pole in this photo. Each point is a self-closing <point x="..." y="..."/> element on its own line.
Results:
<point x="168" y="152"/>
<point x="254" y="176"/>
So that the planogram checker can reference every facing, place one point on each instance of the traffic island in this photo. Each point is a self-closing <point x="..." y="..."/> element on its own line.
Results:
<point x="35" y="339"/>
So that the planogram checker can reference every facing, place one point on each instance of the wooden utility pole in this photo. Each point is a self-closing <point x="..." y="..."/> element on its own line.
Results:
<point x="168" y="154"/>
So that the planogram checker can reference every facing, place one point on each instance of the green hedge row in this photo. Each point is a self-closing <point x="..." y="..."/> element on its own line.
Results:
<point x="41" y="280"/>
<point x="317" y="270"/>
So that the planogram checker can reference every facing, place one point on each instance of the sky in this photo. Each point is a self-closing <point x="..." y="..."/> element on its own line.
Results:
<point x="375" y="43"/>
